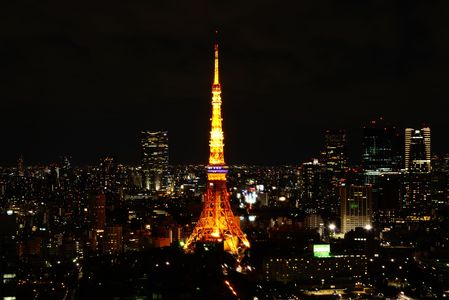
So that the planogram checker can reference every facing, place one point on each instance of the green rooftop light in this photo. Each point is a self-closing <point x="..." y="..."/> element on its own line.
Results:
<point x="321" y="250"/>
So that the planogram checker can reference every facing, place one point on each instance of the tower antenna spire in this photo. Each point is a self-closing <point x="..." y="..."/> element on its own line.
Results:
<point x="216" y="71"/>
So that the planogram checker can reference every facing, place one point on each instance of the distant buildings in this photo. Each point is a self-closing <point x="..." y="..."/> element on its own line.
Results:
<point x="334" y="154"/>
<point x="416" y="200"/>
<point x="155" y="160"/>
<point x="356" y="207"/>
<point x="382" y="163"/>
<point x="8" y="255"/>
<point x="20" y="166"/>
<point x="440" y="180"/>
<point x="108" y="172"/>
<point x="97" y="211"/>
<point x="112" y="242"/>
<point x="97" y="220"/>
<point x="381" y="150"/>
<point x="311" y="178"/>
<point x="387" y="198"/>
<point x="315" y="271"/>
<point x="417" y="150"/>
<point x="334" y="157"/>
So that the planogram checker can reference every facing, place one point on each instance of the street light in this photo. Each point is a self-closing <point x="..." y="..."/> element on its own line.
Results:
<point x="332" y="228"/>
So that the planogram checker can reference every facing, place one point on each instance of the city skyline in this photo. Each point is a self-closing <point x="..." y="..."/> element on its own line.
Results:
<point x="354" y="156"/>
<point x="87" y="86"/>
<point x="320" y="172"/>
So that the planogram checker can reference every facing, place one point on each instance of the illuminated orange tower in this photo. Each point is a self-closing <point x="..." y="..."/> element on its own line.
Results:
<point x="217" y="223"/>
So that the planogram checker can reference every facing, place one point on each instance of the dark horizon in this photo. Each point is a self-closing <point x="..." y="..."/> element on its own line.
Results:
<point x="84" y="82"/>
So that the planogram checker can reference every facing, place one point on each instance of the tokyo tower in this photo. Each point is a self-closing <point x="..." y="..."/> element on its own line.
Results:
<point x="217" y="223"/>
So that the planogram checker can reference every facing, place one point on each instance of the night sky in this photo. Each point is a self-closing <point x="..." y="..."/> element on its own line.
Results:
<point x="84" y="77"/>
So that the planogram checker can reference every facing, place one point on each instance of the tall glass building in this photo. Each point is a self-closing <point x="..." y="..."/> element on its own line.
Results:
<point x="155" y="160"/>
<point x="334" y="155"/>
<point x="381" y="148"/>
<point x="416" y="185"/>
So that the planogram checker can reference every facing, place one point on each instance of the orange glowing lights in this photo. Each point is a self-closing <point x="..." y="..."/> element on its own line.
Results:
<point x="217" y="223"/>
<point x="216" y="79"/>
<point x="214" y="177"/>
<point x="216" y="134"/>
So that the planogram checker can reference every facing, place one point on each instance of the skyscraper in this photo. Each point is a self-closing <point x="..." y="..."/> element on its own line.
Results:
<point x="97" y="212"/>
<point x="381" y="148"/>
<point x="20" y="167"/>
<point x="417" y="150"/>
<point x="97" y="220"/>
<point x="334" y="155"/>
<point x="108" y="172"/>
<point x="440" y="180"/>
<point x="155" y="160"/>
<point x="381" y="162"/>
<point x="311" y="185"/>
<point x="356" y="207"/>
<point x="8" y="255"/>
<point x="217" y="223"/>
<point x="335" y="165"/>
<point x="417" y="177"/>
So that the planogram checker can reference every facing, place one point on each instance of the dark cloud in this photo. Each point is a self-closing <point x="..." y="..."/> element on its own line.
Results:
<point x="84" y="78"/>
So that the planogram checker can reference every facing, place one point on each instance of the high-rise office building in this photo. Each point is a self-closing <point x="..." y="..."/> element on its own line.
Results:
<point x="155" y="160"/>
<point x="417" y="150"/>
<point x="417" y="178"/>
<point x="356" y="207"/>
<point x="8" y="255"/>
<point x="97" y="220"/>
<point x="416" y="194"/>
<point x="334" y="154"/>
<point x="387" y="198"/>
<point x="113" y="239"/>
<point x="311" y="186"/>
<point x="381" y="148"/>
<point x="382" y="161"/>
<point x="97" y="211"/>
<point x="440" y="180"/>
<point x="335" y="162"/>
<point x="108" y="172"/>
<point x="20" y="167"/>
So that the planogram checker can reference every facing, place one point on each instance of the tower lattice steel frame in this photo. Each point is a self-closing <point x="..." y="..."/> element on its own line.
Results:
<point x="217" y="223"/>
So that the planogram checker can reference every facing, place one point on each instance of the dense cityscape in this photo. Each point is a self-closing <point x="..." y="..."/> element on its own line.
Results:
<point x="322" y="228"/>
<point x="365" y="216"/>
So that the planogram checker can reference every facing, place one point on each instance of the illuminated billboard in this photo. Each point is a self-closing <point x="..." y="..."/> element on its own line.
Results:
<point x="321" y="250"/>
